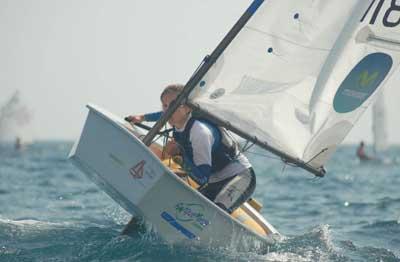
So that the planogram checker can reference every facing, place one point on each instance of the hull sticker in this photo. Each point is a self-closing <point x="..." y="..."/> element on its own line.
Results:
<point x="171" y="220"/>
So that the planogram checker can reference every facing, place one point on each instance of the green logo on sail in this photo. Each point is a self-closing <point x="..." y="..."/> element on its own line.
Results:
<point x="366" y="78"/>
<point x="361" y="82"/>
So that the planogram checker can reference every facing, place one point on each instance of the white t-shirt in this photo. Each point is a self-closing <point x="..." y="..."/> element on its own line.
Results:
<point x="202" y="140"/>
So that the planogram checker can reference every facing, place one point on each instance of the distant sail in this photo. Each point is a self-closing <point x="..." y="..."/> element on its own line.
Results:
<point x="301" y="73"/>
<point x="379" y="124"/>
<point x="13" y="115"/>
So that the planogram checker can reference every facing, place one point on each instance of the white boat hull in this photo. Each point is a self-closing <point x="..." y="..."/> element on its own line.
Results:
<point x="118" y="162"/>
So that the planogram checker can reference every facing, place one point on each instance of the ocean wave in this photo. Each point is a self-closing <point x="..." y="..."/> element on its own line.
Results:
<point x="392" y="225"/>
<point x="368" y="253"/>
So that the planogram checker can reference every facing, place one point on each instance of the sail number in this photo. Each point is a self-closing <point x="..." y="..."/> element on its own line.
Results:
<point x="393" y="9"/>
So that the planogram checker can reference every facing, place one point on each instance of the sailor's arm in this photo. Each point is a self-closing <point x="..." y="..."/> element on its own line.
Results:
<point x="149" y="117"/>
<point x="202" y="141"/>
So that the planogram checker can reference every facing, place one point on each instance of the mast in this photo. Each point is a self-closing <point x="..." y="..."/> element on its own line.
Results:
<point x="192" y="83"/>
<point x="199" y="74"/>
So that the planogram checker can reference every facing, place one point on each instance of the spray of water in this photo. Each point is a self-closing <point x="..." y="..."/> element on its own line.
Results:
<point x="13" y="116"/>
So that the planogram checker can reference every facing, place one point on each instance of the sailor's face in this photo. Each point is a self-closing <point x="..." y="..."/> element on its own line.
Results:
<point x="179" y="117"/>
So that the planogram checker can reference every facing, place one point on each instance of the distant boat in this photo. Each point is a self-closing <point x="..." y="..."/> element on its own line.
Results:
<point x="13" y="116"/>
<point x="7" y="111"/>
<point x="18" y="143"/>
<point x="379" y="125"/>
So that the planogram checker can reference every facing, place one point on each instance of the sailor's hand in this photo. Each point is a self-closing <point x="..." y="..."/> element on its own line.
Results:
<point x="134" y="118"/>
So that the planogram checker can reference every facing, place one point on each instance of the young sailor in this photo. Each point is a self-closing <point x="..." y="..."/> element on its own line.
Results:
<point x="210" y="154"/>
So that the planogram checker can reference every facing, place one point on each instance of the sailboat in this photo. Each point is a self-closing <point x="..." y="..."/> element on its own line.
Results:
<point x="292" y="77"/>
<point x="379" y="132"/>
<point x="379" y="129"/>
<point x="13" y="115"/>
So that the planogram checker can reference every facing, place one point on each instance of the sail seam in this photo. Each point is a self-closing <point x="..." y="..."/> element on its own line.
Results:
<point x="286" y="40"/>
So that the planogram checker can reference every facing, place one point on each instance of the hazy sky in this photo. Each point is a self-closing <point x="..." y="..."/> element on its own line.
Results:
<point x="118" y="54"/>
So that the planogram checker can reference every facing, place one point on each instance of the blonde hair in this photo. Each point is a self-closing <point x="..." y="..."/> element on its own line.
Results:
<point x="172" y="89"/>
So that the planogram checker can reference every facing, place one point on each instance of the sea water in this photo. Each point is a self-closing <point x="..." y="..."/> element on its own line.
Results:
<point x="50" y="211"/>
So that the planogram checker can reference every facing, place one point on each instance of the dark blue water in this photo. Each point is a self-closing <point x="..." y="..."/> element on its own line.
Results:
<point x="51" y="212"/>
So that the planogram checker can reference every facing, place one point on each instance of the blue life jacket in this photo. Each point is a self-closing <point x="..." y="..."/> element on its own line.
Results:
<point x="224" y="149"/>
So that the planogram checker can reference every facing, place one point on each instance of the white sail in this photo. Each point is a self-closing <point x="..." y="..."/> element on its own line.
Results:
<point x="379" y="124"/>
<point x="300" y="73"/>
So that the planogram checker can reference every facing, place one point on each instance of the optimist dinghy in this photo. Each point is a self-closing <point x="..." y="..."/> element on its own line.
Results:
<point x="292" y="77"/>
<point x="118" y="162"/>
